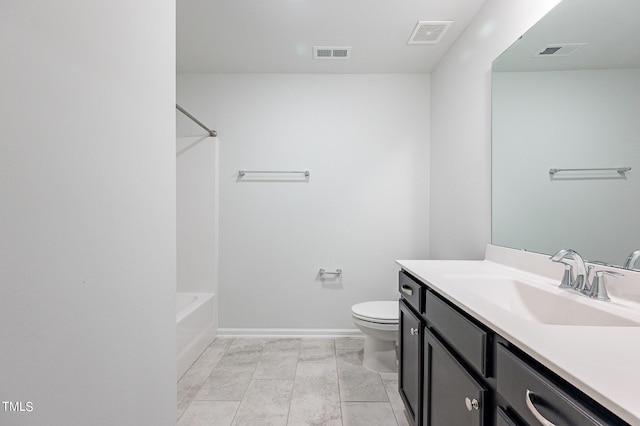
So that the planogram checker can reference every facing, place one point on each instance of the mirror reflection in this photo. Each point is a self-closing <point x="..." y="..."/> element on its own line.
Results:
<point x="566" y="134"/>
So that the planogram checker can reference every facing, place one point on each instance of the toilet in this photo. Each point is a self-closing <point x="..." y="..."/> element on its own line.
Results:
<point x="379" y="322"/>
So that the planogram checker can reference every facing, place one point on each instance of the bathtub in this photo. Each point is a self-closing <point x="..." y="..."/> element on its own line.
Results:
<point x="196" y="327"/>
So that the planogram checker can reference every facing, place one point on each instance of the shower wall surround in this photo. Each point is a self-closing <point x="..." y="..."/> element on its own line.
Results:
<point x="196" y="209"/>
<point x="364" y="139"/>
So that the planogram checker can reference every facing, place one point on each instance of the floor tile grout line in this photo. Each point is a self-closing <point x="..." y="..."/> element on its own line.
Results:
<point x="295" y="375"/>
<point x="335" y="359"/>
<point x="203" y="382"/>
<point x="244" y="394"/>
<point x="235" y="413"/>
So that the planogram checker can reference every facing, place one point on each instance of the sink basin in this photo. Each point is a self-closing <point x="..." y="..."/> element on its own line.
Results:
<point x="544" y="303"/>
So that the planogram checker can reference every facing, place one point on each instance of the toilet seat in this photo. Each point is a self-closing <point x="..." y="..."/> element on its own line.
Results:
<point x="379" y="312"/>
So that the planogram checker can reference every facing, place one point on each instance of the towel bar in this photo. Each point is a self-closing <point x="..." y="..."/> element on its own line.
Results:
<point x="241" y="173"/>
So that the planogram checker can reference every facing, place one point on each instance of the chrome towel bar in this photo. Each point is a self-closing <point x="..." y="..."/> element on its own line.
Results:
<point x="241" y="173"/>
<point x="325" y="272"/>
<point x="620" y="170"/>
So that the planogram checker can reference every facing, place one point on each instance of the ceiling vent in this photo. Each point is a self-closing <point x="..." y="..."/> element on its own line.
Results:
<point x="429" y="32"/>
<point x="559" y="49"/>
<point x="331" y="52"/>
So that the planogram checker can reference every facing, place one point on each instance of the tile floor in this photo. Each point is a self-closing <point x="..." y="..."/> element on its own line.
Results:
<point x="288" y="382"/>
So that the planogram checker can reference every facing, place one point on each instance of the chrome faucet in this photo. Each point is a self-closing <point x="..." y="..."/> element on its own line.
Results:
<point x="631" y="260"/>
<point x="596" y="289"/>
<point x="581" y="281"/>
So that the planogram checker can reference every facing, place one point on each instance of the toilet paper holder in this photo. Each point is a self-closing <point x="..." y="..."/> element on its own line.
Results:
<point x="323" y="271"/>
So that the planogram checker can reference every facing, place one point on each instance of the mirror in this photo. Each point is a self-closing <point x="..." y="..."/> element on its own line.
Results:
<point x="566" y="96"/>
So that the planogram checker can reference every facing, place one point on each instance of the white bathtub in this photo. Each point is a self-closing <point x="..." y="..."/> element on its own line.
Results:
<point x="196" y="327"/>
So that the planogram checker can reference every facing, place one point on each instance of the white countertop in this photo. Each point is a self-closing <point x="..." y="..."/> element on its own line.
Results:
<point x="603" y="362"/>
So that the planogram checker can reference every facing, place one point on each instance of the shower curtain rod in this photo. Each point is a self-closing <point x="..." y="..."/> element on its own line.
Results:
<point x="212" y="133"/>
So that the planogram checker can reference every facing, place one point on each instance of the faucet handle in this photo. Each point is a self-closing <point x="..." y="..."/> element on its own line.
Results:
<point x="598" y="288"/>
<point x="560" y="254"/>
<point x="567" y="278"/>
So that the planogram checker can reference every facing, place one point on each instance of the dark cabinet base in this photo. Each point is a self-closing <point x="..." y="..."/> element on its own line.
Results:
<point x="452" y="396"/>
<point x="455" y="371"/>
<point x="410" y="366"/>
<point x="529" y="395"/>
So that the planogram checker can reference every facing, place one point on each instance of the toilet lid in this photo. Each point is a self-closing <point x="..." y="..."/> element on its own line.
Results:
<point x="384" y="312"/>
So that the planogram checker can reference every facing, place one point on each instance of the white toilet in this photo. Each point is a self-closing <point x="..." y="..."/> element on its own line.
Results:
<point x="379" y="323"/>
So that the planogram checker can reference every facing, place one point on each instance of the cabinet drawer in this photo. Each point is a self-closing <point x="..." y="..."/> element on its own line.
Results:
<point x="469" y="340"/>
<point x="519" y="382"/>
<point x="412" y="291"/>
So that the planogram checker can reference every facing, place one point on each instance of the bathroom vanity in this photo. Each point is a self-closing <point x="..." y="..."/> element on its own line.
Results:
<point x="496" y="342"/>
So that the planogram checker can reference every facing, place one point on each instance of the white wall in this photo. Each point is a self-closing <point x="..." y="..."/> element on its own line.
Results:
<point x="460" y="196"/>
<point x="197" y="209"/>
<point x="364" y="139"/>
<point x="566" y="119"/>
<point x="87" y="218"/>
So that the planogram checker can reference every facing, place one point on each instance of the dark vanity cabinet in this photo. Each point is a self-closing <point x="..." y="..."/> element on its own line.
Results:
<point x="410" y="347"/>
<point x="410" y="365"/>
<point x="529" y="395"/>
<point x="452" y="396"/>
<point x="455" y="366"/>
<point x="438" y="385"/>
<point x="453" y="370"/>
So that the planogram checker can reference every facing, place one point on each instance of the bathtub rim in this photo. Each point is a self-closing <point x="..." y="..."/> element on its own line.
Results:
<point x="201" y="299"/>
<point x="197" y="322"/>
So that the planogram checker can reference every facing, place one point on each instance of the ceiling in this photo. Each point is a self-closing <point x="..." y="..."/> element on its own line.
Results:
<point x="277" y="36"/>
<point x="607" y="31"/>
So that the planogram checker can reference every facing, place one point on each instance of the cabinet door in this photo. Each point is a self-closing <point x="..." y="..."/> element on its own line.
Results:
<point x="503" y="419"/>
<point x="410" y="369"/>
<point x="451" y="395"/>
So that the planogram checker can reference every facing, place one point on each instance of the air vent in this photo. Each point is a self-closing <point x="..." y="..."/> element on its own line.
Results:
<point x="559" y="49"/>
<point x="331" y="52"/>
<point x="429" y="32"/>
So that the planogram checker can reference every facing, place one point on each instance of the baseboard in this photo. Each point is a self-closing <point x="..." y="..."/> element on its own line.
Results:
<point x="290" y="332"/>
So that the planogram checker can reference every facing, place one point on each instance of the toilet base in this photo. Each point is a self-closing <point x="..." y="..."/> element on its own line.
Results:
<point x="380" y="355"/>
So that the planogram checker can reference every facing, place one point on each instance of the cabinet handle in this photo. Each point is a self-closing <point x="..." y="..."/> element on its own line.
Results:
<point x="471" y="403"/>
<point x="414" y="331"/>
<point x="407" y="290"/>
<point x="535" y="411"/>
